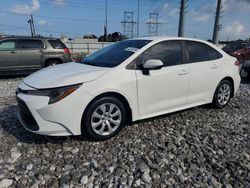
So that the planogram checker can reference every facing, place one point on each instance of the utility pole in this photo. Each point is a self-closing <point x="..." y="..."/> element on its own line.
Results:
<point x="106" y="21"/>
<point x="32" y="27"/>
<point x="182" y="18"/>
<point x="217" y="26"/>
<point x="153" y="24"/>
<point x="128" y="24"/>
<point x="138" y="18"/>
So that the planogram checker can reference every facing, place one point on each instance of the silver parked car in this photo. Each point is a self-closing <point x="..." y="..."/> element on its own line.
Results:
<point x="19" y="54"/>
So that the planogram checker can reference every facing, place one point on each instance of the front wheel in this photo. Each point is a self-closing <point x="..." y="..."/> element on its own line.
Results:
<point x="104" y="118"/>
<point x="222" y="94"/>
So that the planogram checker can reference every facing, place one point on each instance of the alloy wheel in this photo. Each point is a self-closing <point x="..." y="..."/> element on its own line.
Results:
<point x="224" y="94"/>
<point x="106" y="119"/>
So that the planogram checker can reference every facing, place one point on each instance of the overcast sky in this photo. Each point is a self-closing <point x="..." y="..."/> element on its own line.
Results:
<point x="79" y="17"/>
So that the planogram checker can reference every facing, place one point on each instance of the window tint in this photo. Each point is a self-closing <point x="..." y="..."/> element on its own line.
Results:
<point x="7" y="45"/>
<point x="57" y="44"/>
<point x="197" y="51"/>
<point x="169" y="52"/>
<point x="31" y="44"/>
<point x="114" y="54"/>
<point x="213" y="54"/>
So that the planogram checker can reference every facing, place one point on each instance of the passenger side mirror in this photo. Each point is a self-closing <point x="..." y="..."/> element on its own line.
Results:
<point x="151" y="64"/>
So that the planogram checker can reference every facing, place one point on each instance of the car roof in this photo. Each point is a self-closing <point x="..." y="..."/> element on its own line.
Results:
<point x="26" y="37"/>
<point x="241" y="41"/>
<point x="162" y="38"/>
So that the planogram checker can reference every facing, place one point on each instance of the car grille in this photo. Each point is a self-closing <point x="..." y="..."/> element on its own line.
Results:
<point x="26" y="116"/>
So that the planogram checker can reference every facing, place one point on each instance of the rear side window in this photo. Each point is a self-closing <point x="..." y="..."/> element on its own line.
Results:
<point x="32" y="44"/>
<point x="169" y="52"/>
<point x="212" y="53"/>
<point x="57" y="44"/>
<point x="197" y="51"/>
<point x="7" y="45"/>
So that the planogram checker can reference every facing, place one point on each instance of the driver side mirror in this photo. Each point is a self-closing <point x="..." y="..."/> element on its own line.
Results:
<point x="151" y="64"/>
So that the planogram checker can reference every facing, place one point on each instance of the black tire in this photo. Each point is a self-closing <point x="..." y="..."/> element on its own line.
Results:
<point x="241" y="58"/>
<point x="88" y="119"/>
<point x="217" y="99"/>
<point x="52" y="63"/>
<point x="244" y="74"/>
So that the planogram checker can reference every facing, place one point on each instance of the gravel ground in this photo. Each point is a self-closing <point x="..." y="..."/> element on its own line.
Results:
<point x="199" y="147"/>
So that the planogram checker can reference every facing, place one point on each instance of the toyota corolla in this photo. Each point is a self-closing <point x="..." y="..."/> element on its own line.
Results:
<point x="124" y="82"/>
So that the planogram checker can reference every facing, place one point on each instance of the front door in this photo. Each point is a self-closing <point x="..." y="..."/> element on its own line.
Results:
<point x="9" y="56"/>
<point x="165" y="89"/>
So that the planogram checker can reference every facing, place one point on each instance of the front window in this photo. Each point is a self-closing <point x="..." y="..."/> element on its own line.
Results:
<point x="169" y="52"/>
<point x="114" y="54"/>
<point x="8" y="45"/>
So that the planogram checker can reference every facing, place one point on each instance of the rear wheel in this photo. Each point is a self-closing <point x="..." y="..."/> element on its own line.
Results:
<point x="222" y="94"/>
<point x="52" y="63"/>
<point x="104" y="118"/>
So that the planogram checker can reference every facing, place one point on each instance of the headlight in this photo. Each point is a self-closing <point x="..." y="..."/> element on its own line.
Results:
<point x="54" y="94"/>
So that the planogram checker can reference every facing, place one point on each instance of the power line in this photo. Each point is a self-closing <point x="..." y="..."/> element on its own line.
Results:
<point x="138" y="18"/>
<point x="128" y="24"/>
<point x="153" y="24"/>
<point x="32" y="27"/>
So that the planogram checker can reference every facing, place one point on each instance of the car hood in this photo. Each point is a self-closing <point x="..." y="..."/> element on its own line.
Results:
<point x="63" y="75"/>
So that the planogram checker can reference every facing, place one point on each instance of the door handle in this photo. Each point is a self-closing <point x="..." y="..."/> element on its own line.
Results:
<point x="13" y="52"/>
<point x="214" y="67"/>
<point x="183" y="72"/>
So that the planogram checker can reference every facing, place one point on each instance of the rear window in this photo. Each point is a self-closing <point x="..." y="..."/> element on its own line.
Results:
<point x="235" y="45"/>
<point x="213" y="54"/>
<point x="197" y="51"/>
<point x="57" y="44"/>
<point x="32" y="44"/>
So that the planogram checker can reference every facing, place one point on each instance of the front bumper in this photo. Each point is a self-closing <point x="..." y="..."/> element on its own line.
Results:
<point x="62" y="118"/>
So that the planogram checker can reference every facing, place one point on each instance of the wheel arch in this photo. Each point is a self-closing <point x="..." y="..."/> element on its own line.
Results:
<point x="52" y="59"/>
<point x="111" y="94"/>
<point x="230" y="79"/>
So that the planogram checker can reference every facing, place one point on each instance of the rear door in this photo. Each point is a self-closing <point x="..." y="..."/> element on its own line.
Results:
<point x="205" y="66"/>
<point x="9" y="56"/>
<point x="31" y="53"/>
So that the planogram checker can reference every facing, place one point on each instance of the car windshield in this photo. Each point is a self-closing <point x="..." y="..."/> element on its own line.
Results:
<point x="114" y="54"/>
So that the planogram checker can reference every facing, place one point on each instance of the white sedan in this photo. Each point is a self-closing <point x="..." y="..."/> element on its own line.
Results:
<point x="124" y="82"/>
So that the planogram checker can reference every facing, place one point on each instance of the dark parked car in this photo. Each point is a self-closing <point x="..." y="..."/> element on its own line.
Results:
<point x="233" y="47"/>
<point x="20" y="54"/>
<point x="245" y="70"/>
<point x="243" y="53"/>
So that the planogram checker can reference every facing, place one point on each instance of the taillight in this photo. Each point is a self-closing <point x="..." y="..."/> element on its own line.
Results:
<point x="66" y="51"/>
<point x="237" y="63"/>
